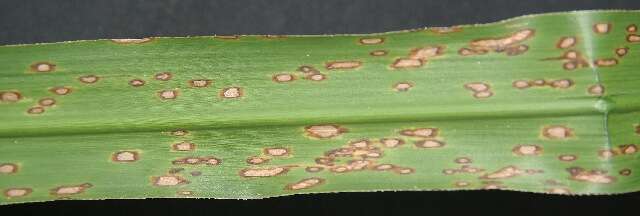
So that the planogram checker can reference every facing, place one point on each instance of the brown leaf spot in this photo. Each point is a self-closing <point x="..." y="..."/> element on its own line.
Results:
<point x="562" y="84"/>
<point x="516" y="50"/>
<point x="391" y="142"/>
<point x="425" y="53"/>
<point x="420" y="132"/>
<point x="607" y="153"/>
<point x="327" y="161"/>
<point x="263" y="172"/>
<point x="500" y="44"/>
<point x="379" y="53"/>
<point x="632" y="28"/>
<point x="183" y="146"/>
<point x="384" y="167"/>
<point x="467" y="51"/>
<point x="316" y="77"/>
<point x="68" y="190"/>
<point x="136" y="82"/>
<point x="628" y="149"/>
<point x="608" y="62"/>
<point x="340" y="169"/>
<point x="521" y="84"/>
<point x="402" y="86"/>
<point x="276" y="151"/>
<point x="125" y="156"/>
<point x="89" y="79"/>
<point x="602" y="28"/>
<point x="305" y="183"/>
<point x="10" y="96"/>
<point x="463" y="160"/>
<point x="35" y="110"/>
<point x="557" y="132"/>
<point x="524" y="150"/>
<point x="314" y="169"/>
<point x="168" y="180"/>
<point x="47" y="102"/>
<point x="256" y="160"/>
<point x="429" y="144"/>
<point x="566" y="42"/>
<point x="283" y="77"/>
<point x="482" y="95"/>
<point x="324" y="131"/>
<point x="43" y="67"/>
<point x="17" y="192"/>
<point x="8" y="168"/>
<point x="200" y="83"/>
<point x="179" y="132"/>
<point x="371" y="41"/>
<point x="596" y="90"/>
<point x="305" y="69"/>
<point x="625" y="172"/>
<point x="208" y="160"/>
<point x="403" y="170"/>
<point x="60" y="90"/>
<point x="231" y="92"/>
<point x="477" y="86"/>
<point x="336" y="65"/>
<point x="362" y="144"/>
<point x="633" y="38"/>
<point x="406" y="63"/>
<point x="163" y="76"/>
<point x="593" y="176"/>
<point x="168" y="94"/>
<point x="567" y="157"/>
<point x="622" y="51"/>
<point x="506" y="172"/>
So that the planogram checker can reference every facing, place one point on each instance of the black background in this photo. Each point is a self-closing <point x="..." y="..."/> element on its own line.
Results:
<point x="64" y="20"/>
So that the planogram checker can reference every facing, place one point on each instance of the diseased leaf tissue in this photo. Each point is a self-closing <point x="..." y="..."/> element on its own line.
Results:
<point x="546" y="103"/>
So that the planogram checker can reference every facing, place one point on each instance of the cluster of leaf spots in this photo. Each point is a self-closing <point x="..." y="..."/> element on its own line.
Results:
<point x="627" y="149"/>
<point x="173" y="177"/>
<point x="306" y="71"/>
<point x="559" y="84"/>
<point x="418" y="57"/>
<point x="511" y="45"/>
<point x="480" y="90"/>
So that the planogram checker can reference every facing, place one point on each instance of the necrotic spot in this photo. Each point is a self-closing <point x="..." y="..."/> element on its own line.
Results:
<point x="10" y="96"/>
<point x="282" y="78"/>
<point x="8" y="168"/>
<point x="47" y="102"/>
<point x="370" y="41"/>
<point x="231" y="92"/>
<point x="17" y="192"/>
<point x="199" y="83"/>
<point x="163" y="76"/>
<point x="35" y="110"/>
<point x="136" y="82"/>
<point x="168" y="94"/>
<point x="378" y="53"/>
<point x="335" y="65"/>
<point x="43" y="67"/>
<point x="602" y="28"/>
<point x="60" y="90"/>
<point x="89" y="79"/>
